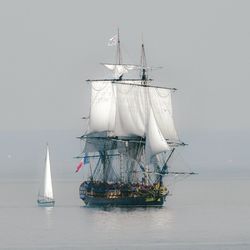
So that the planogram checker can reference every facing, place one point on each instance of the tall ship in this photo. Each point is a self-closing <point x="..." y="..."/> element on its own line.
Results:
<point x="130" y="137"/>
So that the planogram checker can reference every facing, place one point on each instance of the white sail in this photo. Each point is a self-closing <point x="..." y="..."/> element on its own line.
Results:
<point x="134" y="104"/>
<point x="160" y="102"/>
<point x="124" y="109"/>
<point x="48" y="192"/>
<point x="155" y="142"/>
<point x="130" y="113"/>
<point x="103" y="106"/>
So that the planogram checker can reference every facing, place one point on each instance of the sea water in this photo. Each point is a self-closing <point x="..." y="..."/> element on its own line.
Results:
<point x="203" y="212"/>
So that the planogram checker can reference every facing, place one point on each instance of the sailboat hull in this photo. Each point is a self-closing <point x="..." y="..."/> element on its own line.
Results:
<point x="46" y="203"/>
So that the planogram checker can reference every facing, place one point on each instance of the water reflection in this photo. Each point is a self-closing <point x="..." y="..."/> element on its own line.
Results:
<point x="49" y="210"/>
<point x="188" y="220"/>
<point x="47" y="217"/>
<point x="130" y="219"/>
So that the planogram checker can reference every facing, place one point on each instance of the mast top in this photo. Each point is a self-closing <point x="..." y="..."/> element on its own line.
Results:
<point x="143" y="63"/>
<point x="118" y="51"/>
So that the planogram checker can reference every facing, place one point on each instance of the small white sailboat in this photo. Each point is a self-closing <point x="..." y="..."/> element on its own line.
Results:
<point x="45" y="196"/>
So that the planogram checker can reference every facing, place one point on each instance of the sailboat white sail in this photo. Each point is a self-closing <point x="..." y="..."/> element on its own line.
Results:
<point x="46" y="198"/>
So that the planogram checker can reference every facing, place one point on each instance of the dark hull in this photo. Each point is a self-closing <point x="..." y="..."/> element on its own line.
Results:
<point x="120" y="194"/>
<point x="123" y="201"/>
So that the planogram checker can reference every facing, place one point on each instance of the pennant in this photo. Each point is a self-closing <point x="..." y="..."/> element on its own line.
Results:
<point x="113" y="41"/>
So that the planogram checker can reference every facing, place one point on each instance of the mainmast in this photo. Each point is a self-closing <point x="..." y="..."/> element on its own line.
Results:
<point x="144" y="78"/>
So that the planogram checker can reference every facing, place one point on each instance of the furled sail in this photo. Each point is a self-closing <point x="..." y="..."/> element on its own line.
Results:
<point x="99" y="141"/>
<point x="120" y="69"/>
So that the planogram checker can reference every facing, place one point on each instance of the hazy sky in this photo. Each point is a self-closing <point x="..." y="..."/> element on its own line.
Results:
<point x="48" y="49"/>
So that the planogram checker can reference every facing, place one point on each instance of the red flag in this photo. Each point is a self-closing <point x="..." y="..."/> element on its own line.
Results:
<point x="79" y="166"/>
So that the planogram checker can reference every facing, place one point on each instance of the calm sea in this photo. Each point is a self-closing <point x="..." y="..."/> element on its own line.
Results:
<point x="203" y="212"/>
